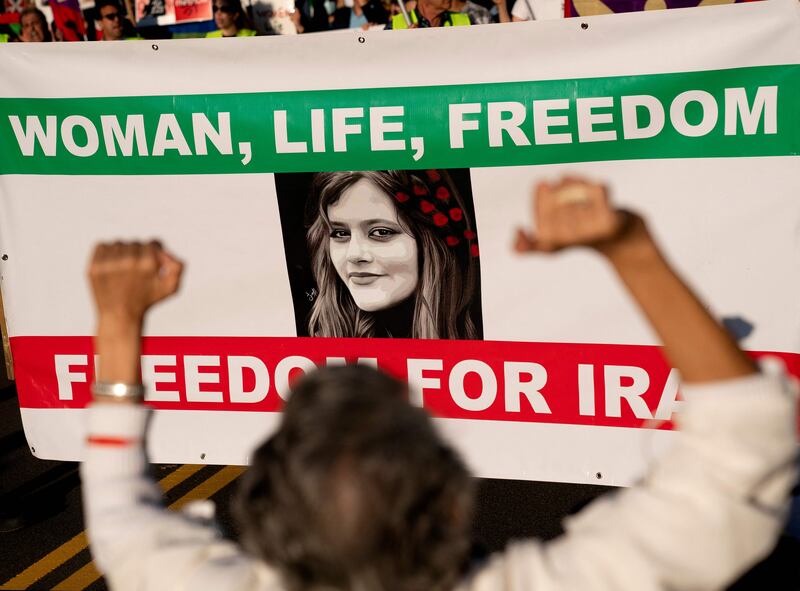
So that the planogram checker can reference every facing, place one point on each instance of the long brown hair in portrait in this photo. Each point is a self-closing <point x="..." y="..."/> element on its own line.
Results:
<point x="447" y="274"/>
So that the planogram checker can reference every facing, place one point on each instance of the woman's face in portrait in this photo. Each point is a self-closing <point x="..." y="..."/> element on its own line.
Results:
<point x="373" y="254"/>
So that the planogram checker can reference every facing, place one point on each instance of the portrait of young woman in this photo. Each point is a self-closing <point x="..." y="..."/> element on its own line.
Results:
<point x="383" y="254"/>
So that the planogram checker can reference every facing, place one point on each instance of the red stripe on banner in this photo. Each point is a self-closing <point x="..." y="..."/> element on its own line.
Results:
<point x="579" y="384"/>
<point x="110" y="441"/>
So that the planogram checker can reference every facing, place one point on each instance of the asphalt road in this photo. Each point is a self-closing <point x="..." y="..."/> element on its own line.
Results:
<point x="44" y="546"/>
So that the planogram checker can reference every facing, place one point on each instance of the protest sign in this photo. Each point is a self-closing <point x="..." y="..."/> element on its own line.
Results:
<point x="273" y="16"/>
<point x="574" y="8"/>
<point x="232" y="154"/>
<point x="69" y="19"/>
<point x="14" y="5"/>
<point x="172" y="12"/>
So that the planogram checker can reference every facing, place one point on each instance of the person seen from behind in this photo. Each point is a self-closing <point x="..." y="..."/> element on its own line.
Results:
<point x="356" y="491"/>
<point x="231" y="20"/>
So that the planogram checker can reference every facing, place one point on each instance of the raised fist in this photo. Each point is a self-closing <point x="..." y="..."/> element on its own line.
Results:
<point x="128" y="278"/>
<point x="572" y="212"/>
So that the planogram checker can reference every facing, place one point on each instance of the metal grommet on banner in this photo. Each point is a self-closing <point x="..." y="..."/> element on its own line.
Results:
<point x="5" y="257"/>
<point x="154" y="46"/>
<point x="362" y="40"/>
<point x="202" y="456"/>
<point x="599" y="475"/>
<point x="584" y="26"/>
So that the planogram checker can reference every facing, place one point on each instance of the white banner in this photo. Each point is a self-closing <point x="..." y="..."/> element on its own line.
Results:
<point x="536" y="367"/>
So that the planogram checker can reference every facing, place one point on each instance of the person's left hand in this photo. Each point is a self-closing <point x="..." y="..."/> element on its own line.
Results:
<point x="128" y="278"/>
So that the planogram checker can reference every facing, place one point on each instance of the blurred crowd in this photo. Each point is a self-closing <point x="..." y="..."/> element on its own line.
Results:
<point x="116" y="20"/>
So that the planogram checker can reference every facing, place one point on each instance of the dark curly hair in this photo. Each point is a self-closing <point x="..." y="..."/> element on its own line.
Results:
<point x="356" y="491"/>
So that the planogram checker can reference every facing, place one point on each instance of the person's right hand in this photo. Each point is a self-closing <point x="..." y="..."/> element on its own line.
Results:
<point x="128" y="278"/>
<point x="573" y="212"/>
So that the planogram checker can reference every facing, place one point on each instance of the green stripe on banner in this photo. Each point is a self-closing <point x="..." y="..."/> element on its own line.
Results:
<point x="721" y="113"/>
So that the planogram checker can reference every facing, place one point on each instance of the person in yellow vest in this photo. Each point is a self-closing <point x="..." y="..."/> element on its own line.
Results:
<point x="231" y="20"/>
<point x="430" y="13"/>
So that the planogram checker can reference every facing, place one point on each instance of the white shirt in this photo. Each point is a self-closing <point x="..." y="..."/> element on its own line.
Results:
<point x="707" y="511"/>
<point x="542" y="9"/>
